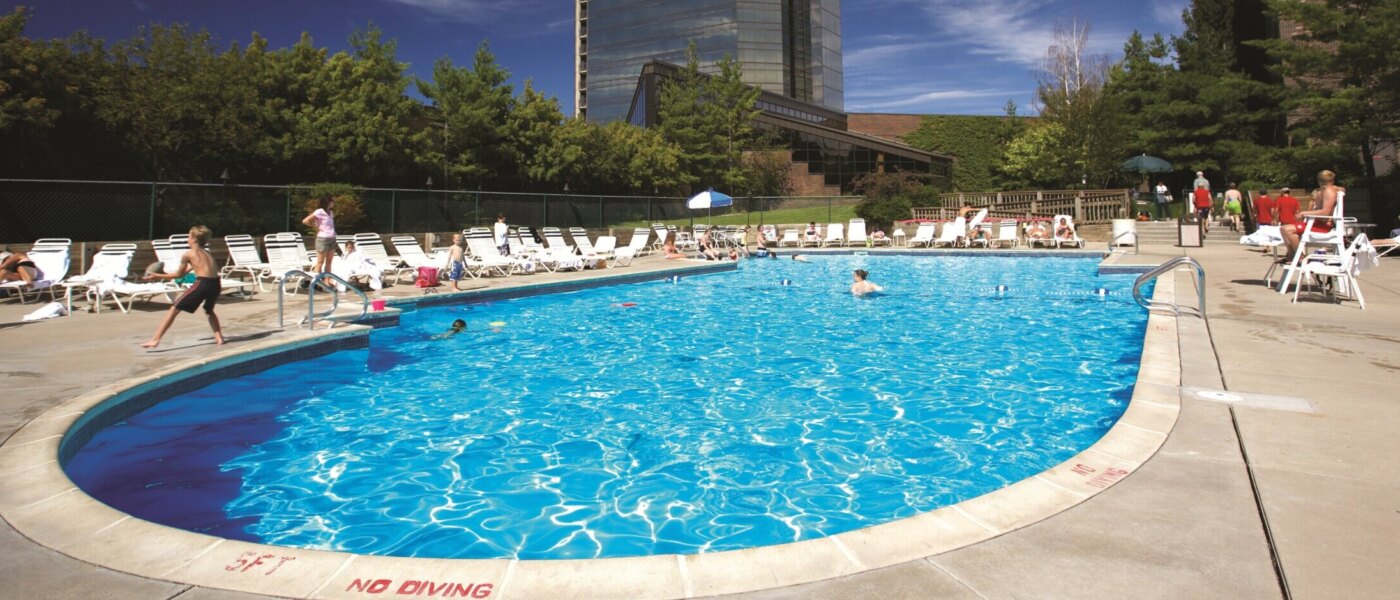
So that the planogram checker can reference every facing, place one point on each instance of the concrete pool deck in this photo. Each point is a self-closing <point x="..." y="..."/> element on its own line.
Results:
<point x="1184" y="524"/>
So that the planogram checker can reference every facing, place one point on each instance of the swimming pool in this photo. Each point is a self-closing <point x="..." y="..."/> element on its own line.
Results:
<point x="722" y="412"/>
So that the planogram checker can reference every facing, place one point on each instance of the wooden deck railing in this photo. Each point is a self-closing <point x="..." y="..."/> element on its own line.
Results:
<point x="1086" y="206"/>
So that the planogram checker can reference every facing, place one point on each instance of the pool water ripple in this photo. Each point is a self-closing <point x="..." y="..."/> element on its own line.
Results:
<point x="723" y="412"/>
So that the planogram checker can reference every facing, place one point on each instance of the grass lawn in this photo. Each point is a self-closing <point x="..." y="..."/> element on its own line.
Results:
<point x="837" y="214"/>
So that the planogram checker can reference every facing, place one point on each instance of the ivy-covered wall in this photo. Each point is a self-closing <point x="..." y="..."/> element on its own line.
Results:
<point x="979" y="143"/>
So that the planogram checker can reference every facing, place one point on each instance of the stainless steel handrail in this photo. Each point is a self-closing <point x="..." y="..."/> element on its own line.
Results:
<point x="311" y="315"/>
<point x="1136" y="244"/>
<point x="282" y="291"/>
<point x="1168" y="267"/>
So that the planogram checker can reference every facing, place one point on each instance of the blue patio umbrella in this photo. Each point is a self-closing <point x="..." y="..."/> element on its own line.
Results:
<point x="708" y="200"/>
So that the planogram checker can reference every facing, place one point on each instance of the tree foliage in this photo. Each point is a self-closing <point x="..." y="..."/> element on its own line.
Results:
<point x="168" y="104"/>
<point x="978" y="142"/>
<point x="891" y="197"/>
<point x="710" y="118"/>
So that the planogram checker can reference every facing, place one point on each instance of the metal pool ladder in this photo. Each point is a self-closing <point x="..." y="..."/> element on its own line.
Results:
<point x="1168" y="267"/>
<point x="311" y="316"/>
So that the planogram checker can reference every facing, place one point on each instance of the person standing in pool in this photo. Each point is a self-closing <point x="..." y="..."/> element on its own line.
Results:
<point x="862" y="286"/>
<point x="205" y="290"/>
<point x="323" y="219"/>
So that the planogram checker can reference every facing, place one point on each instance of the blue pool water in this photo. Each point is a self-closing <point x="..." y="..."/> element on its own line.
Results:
<point x="725" y="411"/>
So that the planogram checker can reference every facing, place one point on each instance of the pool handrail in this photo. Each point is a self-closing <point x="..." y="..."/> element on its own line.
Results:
<point x="311" y="316"/>
<point x="1167" y="267"/>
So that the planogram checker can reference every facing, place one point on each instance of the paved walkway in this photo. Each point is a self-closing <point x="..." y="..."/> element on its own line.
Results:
<point x="1318" y="405"/>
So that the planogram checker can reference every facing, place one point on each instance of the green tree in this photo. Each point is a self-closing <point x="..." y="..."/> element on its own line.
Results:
<point x="710" y="118"/>
<point x="23" y="97"/>
<point x="532" y="124"/>
<point x="1344" y="70"/>
<point x="1040" y="157"/>
<point x="891" y="197"/>
<point x="1072" y="95"/>
<point x="356" y="117"/>
<point x="475" y="104"/>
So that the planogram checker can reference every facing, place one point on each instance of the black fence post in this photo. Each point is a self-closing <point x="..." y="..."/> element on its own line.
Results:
<point x="393" y="210"/>
<point x="287" y="205"/>
<point x="151" y="224"/>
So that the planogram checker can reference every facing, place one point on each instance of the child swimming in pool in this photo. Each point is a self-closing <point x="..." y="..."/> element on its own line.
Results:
<point x="458" y="326"/>
<point x="861" y="286"/>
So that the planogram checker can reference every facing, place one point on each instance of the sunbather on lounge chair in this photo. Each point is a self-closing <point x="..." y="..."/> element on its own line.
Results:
<point x="1037" y="231"/>
<point x="354" y="263"/>
<point x="18" y="267"/>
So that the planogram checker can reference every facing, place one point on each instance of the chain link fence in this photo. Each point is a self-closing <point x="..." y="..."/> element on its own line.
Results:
<point x="115" y="210"/>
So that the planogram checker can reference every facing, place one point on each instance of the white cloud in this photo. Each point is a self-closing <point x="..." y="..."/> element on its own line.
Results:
<point x="1168" y="12"/>
<point x="1017" y="31"/>
<point x="879" y="56"/>
<point x="926" y="99"/>
<point x="473" y="11"/>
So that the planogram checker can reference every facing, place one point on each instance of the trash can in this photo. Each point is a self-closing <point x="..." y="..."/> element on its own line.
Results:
<point x="1188" y="231"/>
<point x="1124" y="233"/>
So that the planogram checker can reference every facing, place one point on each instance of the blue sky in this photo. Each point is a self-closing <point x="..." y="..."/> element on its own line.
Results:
<point x="901" y="56"/>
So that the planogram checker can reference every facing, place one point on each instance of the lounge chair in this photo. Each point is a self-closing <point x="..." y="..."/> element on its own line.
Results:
<point x="285" y="255"/>
<point x="1008" y="235"/>
<point x="555" y="239"/>
<point x="898" y="237"/>
<point x="952" y="233"/>
<point x="372" y="246"/>
<point x="685" y="242"/>
<point x="638" y="243"/>
<point x="812" y="236"/>
<point x="857" y="233"/>
<point x="111" y="263"/>
<point x="835" y="235"/>
<point x="924" y="235"/>
<point x="661" y="235"/>
<point x="51" y="259"/>
<point x="481" y="243"/>
<point x="606" y="247"/>
<point x="118" y="289"/>
<point x="789" y="237"/>
<point x="413" y="255"/>
<point x="1343" y="270"/>
<point x="1329" y="240"/>
<point x="1072" y="239"/>
<point x="1044" y="242"/>
<point x="976" y="222"/>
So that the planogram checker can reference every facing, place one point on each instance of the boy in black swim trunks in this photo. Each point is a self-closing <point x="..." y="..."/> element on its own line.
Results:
<point x="205" y="289"/>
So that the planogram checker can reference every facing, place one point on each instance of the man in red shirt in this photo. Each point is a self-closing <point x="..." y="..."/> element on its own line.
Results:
<point x="1203" y="204"/>
<point x="1264" y="205"/>
<point x="1287" y="207"/>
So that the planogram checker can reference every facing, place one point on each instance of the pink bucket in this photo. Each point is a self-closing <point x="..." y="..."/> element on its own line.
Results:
<point x="377" y="304"/>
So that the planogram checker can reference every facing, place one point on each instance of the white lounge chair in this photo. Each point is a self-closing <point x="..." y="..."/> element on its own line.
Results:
<point x="1044" y="242"/>
<point x="638" y="243"/>
<point x="372" y="246"/>
<point x="481" y="244"/>
<point x="111" y="263"/>
<point x="1309" y="237"/>
<point x="952" y="233"/>
<point x="976" y="222"/>
<point x="812" y="236"/>
<point x="606" y="248"/>
<point x="51" y="259"/>
<point x="555" y="239"/>
<point x="789" y="238"/>
<point x="118" y="289"/>
<point x="1072" y="239"/>
<point x="1343" y="270"/>
<point x="1008" y="234"/>
<point x="857" y="233"/>
<point x="285" y="254"/>
<point x="243" y="257"/>
<point x="923" y="235"/>
<point x="835" y="235"/>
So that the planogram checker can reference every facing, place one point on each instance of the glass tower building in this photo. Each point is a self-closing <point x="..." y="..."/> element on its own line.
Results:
<point x="787" y="47"/>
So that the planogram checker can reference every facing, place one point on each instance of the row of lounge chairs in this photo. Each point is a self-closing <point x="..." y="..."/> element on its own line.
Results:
<point x="1010" y="234"/>
<point x="836" y="234"/>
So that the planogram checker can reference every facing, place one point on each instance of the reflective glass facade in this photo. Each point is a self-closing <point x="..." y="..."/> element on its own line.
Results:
<point x="789" y="47"/>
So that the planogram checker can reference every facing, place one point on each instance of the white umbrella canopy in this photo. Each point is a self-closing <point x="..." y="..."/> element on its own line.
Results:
<point x="708" y="199"/>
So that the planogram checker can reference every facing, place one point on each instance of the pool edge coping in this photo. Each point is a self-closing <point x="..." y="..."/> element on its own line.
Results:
<point x="54" y="513"/>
